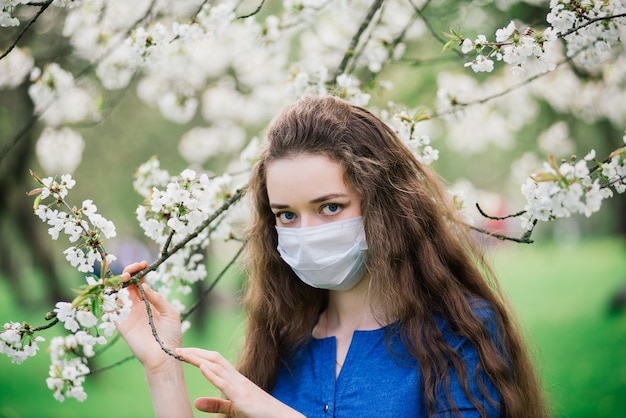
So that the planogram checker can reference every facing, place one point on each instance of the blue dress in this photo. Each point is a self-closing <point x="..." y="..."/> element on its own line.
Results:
<point x="373" y="382"/>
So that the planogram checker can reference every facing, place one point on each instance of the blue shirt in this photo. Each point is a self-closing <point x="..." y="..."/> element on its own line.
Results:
<point x="374" y="382"/>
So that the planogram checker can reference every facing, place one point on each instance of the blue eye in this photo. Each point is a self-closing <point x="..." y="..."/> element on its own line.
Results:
<point x="331" y="209"/>
<point x="286" y="217"/>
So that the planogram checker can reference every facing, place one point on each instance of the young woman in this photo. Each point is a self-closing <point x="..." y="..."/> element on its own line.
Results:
<point x="366" y="295"/>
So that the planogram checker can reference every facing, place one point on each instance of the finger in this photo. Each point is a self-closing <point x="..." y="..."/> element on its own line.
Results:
<point x="135" y="267"/>
<point x="159" y="302"/>
<point x="214" y="405"/>
<point x="197" y="356"/>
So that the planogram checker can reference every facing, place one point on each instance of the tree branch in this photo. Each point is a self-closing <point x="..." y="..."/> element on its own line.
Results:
<point x="110" y="366"/>
<point x="376" y="5"/>
<point x="590" y="22"/>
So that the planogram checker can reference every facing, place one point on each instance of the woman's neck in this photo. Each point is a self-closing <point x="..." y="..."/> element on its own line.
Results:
<point x="349" y="310"/>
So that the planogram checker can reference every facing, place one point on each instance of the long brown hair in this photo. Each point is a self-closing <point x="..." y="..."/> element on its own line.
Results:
<point x="421" y="260"/>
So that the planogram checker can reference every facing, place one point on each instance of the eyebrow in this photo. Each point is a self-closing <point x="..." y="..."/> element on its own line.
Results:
<point x="320" y="199"/>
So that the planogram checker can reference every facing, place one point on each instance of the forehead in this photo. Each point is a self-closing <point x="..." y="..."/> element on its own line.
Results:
<point x="304" y="176"/>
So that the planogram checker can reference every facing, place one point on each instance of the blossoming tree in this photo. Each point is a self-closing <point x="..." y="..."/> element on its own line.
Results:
<point x="499" y="69"/>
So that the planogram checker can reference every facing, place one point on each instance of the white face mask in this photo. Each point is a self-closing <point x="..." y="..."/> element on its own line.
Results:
<point x="329" y="256"/>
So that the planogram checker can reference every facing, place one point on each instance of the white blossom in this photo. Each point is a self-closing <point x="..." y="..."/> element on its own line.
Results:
<point x="506" y="32"/>
<point x="17" y="344"/>
<point x="86" y="318"/>
<point x="59" y="150"/>
<point x="58" y="99"/>
<point x="15" y="67"/>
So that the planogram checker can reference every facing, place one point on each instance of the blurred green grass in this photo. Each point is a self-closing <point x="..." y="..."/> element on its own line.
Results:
<point x="561" y="293"/>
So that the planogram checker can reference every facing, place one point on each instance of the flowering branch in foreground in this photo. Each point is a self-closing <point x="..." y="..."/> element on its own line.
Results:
<point x="103" y="301"/>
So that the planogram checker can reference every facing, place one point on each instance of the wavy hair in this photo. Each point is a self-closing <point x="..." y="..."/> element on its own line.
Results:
<point x="422" y="261"/>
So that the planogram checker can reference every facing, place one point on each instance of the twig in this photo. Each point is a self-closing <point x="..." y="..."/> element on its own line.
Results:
<point x="110" y="366"/>
<point x="525" y="239"/>
<point x="485" y="99"/>
<point x="137" y="276"/>
<point x="362" y="44"/>
<point x="213" y="284"/>
<point x="377" y="4"/>
<point x="590" y="22"/>
<point x="499" y="218"/>
<point x="617" y="180"/>
<point x="48" y="325"/>
<point x="153" y="327"/>
<point x="258" y="9"/>
<point x="167" y="243"/>
<point x="109" y="344"/>
<point x="528" y="80"/>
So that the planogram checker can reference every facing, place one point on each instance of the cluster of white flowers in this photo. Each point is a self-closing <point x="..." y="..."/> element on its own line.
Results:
<point x="569" y="188"/>
<point x="59" y="150"/>
<point x="67" y="371"/>
<point x="92" y="318"/>
<point x="615" y="173"/>
<point x="517" y="48"/>
<point x="173" y="60"/>
<point x="303" y="83"/>
<point x="347" y="86"/>
<point x="406" y="127"/>
<point x="7" y="9"/>
<point x="83" y="225"/>
<point x="15" y="67"/>
<point x="111" y="302"/>
<point x="199" y="144"/>
<point x="68" y="367"/>
<point x="18" y="343"/>
<point x="174" y="211"/>
<point x="588" y="36"/>
<point x="58" y="99"/>
<point x="588" y="32"/>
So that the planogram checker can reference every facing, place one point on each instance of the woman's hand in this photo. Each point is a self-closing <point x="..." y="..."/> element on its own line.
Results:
<point x="164" y="374"/>
<point x="245" y="399"/>
<point x="136" y="329"/>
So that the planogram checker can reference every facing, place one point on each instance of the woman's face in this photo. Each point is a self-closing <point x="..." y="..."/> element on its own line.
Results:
<point x="309" y="190"/>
